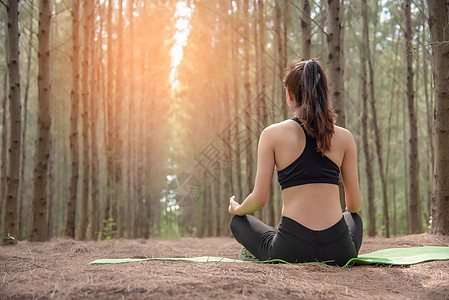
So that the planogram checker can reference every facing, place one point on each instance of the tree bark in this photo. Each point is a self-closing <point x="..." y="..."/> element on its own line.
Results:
<point x="131" y="122"/>
<point x="257" y="61"/>
<point x="4" y="146"/>
<point x="335" y="58"/>
<point x="39" y="225"/>
<point x="438" y="20"/>
<point x="366" y="147"/>
<point x="236" y="94"/>
<point x="69" y="227"/>
<point x="96" y="58"/>
<point x="306" y="31"/>
<point x="13" y="167"/>
<point x="248" y="111"/>
<point x="279" y="52"/>
<point x="429" y="113"/>
<point x="51" y="184"/>
<point x="82" y="229"/>
<point x="110" y="207"/>
<point x="377" y="131"/>
<point x="415" y="220"/>
<point x="118" y="142"/>
<point x="24" y="127"/>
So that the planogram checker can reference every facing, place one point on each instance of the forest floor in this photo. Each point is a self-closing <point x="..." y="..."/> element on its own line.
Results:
<point x="60" y="269"/>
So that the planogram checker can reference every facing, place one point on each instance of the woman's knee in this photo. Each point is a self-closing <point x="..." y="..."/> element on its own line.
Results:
<point x="234" y="224"/>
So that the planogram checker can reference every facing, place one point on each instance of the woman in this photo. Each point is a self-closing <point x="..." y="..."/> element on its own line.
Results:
<point x="309" y="152"/>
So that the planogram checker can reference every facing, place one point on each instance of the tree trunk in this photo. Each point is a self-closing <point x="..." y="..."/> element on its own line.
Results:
<point x="260" y="213"/>
<point x="438" y="20"/>
<point x="82" y="229"/>
<point x="279" y="52"/>
<point x="51" y="184"/>
<point x="118" y="168"/>
<point x="406" y="166"/>
<point x="225" y="50"/>
<point x="24" y="127"/>
<point x="335" y="57"/>
<point x="13" y="168"/>
<point x="38" y="225"/>
<point x="4" y="146"/>
<point x="247" y="85"/>
<point x="236" y="95"/>
<point x="415" y="220"/>
<point x="131" y="123"/>
<point x="110" y="207"/>
<point x="366" y="147"/>
<point x="306" y="31"/>
<point x="263" y="105"/>
<point x="429" y="113"/>
<point x="389" y="130"/>
<point x="69" y="230"/>
<point x="377" y="131"/>
<point x="96" y="59"/>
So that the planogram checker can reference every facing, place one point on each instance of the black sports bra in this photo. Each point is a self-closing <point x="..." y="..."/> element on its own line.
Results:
<point x="310" y="167"/>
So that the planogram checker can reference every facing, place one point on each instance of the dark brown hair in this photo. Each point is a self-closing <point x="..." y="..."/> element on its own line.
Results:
<point x="308" y="83"/>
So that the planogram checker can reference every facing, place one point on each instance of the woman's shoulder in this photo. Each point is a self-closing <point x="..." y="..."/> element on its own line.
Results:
<point x="279" y="128"/>
<point x="343" y="135"/>
<point x="280" y="125"/>
<point x="341" y="131"/>
<point x="276" y="131"/>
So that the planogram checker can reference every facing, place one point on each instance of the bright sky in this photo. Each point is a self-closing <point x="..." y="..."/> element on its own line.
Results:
<point x="182" y="15"/>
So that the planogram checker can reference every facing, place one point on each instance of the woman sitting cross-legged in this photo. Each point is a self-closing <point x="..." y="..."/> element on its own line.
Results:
<point x="309" y="152"/>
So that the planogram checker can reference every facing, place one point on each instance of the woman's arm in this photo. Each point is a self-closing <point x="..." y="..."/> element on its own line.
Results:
<point x="354" y="201"/>
<point x="265" y="167"/>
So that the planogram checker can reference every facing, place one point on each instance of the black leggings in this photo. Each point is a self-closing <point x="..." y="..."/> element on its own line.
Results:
<point x="296" y="243"/>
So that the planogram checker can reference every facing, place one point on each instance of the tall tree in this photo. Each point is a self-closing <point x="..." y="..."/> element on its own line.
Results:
<point x="377" y="131"/>
<point x="415" y="220"/>
<point x="279" y="48"/>
<point x="336" y="67"/>
<point x="87" y="11"/>
<point x="12" y="178"/>
<point x="131" y="120"/>
<point x="38" y="220"/>
<point x="4" y="143"/>
<point x="366" y="147"/>
<point x="429" y="110"/>
<point x="335" y="48"/>
<point x="25" y="122"/>
<point x="110" y="207"/>
<point x="306" y="30"/>
<point x="95" y="71"/>
<point x="438" y="21"/>
<point x="263" y="105"/>
<point x="69" y="228"/>
<point x="247" y="86"/>
<point x="118" y="142"/>
<point x="236" y="91"/>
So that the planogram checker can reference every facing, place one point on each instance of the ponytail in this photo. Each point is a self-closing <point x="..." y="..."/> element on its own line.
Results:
<point x="308" y="83"/>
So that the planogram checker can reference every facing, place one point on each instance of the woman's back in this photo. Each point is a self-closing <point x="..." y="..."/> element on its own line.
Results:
<point x="314" y="205"/>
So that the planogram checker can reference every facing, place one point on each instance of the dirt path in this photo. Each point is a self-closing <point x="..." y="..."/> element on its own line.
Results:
<point x="61" y="270"/>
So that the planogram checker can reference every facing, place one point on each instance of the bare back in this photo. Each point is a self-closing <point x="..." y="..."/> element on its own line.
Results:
<point x="314" y="205"/>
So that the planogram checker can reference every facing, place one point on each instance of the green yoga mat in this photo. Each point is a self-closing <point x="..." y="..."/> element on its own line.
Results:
<point x="393" y="256"/>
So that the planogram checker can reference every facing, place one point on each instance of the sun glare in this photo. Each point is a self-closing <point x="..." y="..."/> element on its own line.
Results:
<point x="182" y="15"/>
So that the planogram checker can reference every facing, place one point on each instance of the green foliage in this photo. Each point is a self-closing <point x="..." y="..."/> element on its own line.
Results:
<point x="109" y="229"/>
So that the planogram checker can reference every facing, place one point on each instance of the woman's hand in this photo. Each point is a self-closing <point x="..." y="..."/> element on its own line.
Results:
<point x="233" y="205"/>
